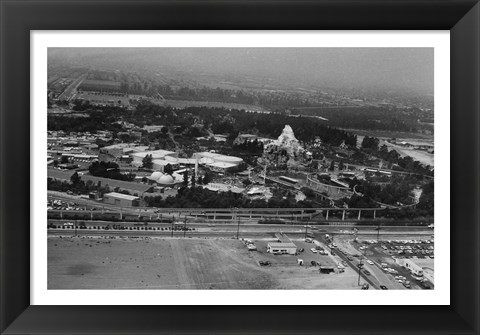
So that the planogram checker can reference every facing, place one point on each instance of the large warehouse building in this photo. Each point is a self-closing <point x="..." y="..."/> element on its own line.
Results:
<point x="120" y="199"/>
<point x="156" y="154"/>
<point x="211" y="158"/>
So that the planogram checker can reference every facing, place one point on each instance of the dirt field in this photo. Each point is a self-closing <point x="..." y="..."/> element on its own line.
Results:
<point x="88" y="263"/>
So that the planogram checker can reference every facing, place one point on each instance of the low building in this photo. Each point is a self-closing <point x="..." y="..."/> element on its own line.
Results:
<point x="221" y="167"/>
<point x="156" y="154"/>
<point x="120" y="199"/>
<point x="411" y="266"/>
<point x="282" y="248"/>
<point x="159" y="165"/>
<point x="211" y="157"/>
<point x="217" y="187"/>
<point x="242" y="138"/>
<point x="162" y="179"/>
<point x="153" y="128"/>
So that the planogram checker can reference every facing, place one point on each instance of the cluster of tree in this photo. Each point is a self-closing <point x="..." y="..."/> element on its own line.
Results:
<point x="372" y="118"/>
<point x="397" y="193"/>
<point x="427" y="199"/>
<point x="270" y="100"/>
<point x="109" y="170"/>
<point x="197" y="197"/>
<point x="100" y="118"/>
<point x="75" y="185"/>
<point x="253" y="147"/>
<point x="147" y="162"/>
<point x="407" y="163"/>
<point x="220" y="120"/>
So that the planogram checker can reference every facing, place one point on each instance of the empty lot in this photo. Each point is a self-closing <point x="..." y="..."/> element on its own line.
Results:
<point x="171" y="263"/>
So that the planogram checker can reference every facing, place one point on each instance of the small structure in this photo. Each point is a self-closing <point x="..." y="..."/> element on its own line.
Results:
<point x="282" y="248"/>
<point x="120" y="199"/>
<point x="410" y="265"/>
<point x="326" y="269"/>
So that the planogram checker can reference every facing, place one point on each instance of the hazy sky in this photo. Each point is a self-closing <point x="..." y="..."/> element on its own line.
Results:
<point x="387" y="68"/>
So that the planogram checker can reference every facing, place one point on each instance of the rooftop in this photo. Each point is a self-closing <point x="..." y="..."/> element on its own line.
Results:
<point x="121" y="196"/>
<point x="282" y="245"/>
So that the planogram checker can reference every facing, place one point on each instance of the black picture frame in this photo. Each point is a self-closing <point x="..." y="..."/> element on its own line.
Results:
<point x="19" y="17"/>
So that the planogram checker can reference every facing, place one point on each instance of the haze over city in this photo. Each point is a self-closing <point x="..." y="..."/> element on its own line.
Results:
<point x="405" y="69"/>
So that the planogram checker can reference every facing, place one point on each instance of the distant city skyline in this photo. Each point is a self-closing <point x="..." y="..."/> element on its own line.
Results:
<point x="410" y="69"/>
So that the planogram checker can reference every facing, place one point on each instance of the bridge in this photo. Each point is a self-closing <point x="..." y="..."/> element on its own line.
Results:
<point x="223" y="214"/>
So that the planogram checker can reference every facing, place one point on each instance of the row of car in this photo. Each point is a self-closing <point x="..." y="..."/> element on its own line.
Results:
<point x="429" y="241"/>
<point x="63" y="205"/>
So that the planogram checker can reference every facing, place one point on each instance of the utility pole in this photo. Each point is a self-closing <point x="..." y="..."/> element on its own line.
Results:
<point x="378" y="232"/>
<point x="238" y="224"/>
<point x="173" y="222"/>
<point x="306" y="231"/>
<point x="360" y="266"/>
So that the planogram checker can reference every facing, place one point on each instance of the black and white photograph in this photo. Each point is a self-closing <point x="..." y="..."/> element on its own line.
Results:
<point x="242" y="168"/>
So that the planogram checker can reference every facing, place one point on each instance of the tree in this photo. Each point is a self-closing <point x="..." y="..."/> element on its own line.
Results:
<point x="193" y="181"/>
<point x="147" y="161"/>
<point x="185" y="178"/>
<point x="75" y="179"/>
<point x="341" y="166"/>
<point x="207" y="178"/>
<point x="168" y="169"/>
<point x="64" y="160"/>
<point x="332" y="166"/>
<point x="246" y="182"/>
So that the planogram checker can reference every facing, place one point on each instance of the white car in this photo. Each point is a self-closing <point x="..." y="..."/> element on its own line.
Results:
<point x="370" y="262"/>
<point x="314" y="250"/>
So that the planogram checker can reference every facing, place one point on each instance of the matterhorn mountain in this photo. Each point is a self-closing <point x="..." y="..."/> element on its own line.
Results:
<point x="286" y="141"/>
<point x="286" y="151"/>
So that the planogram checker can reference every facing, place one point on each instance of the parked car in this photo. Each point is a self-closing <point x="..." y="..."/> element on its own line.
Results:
<point x="383" y="287"/>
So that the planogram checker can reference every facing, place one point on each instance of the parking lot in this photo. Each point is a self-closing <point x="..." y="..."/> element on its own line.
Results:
<point x="384" y="256"/>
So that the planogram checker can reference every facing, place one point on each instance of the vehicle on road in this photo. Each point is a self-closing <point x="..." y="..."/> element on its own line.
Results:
<point x="383" y="287"/>
<point x="367" y="272"/>
<point x="369" y="262"/>
<point x="313" y="250"/>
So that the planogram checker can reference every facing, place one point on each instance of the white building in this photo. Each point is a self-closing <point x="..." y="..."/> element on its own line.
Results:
<point x="211" y="157"/>
<point x="159" y="165"/>
<point x="282" y="248"/>
<point x="120" y="199"/>
<point x="156" y="154"/>
<point x="410" y="265"/>
<point x="221" y="166"/>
